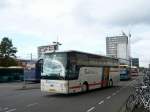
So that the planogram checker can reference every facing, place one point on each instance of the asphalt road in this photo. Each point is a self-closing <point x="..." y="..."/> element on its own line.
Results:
<point x="32" y="100"/>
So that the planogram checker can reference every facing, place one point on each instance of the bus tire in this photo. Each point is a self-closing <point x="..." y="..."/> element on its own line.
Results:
<point x="84" y="87"/>
<point x="111" y="83"/>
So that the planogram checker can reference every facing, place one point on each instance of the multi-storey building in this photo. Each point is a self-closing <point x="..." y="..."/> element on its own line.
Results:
<point x="135" y="62"/>
<point x="118" y="47"/>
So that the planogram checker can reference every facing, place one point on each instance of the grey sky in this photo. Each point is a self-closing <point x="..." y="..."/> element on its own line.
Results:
<point x="79" y="24"/>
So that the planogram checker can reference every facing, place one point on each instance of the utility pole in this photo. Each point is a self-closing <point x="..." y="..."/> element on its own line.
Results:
<point x="31" y="56"/>
<point x="129" y="48"/>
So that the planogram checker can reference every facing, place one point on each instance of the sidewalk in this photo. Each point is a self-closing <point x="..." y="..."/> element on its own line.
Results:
<point x="136" y="109"/>
<point x="133" y="108"/>
<point x="18" y="86"/>
<point x="28" y="86"/>
<point x="141" y="109"/>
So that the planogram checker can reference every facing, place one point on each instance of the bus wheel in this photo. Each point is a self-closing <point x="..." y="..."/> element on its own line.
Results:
<point x="84" y="87"/>
<point x="110" y="83"/>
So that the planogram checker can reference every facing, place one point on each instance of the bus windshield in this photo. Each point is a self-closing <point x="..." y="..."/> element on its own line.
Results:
<point x="54" y="66"/>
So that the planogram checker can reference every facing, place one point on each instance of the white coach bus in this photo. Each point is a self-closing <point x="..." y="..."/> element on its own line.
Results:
<point x="74" y="71"/>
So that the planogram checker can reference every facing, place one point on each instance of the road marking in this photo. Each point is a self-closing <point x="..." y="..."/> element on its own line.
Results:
<point x="120" y="88"/>
<point x="6" y="108"/>
<point x="101" y="102"/>
<point x="113" y="94"/>
<point x="92" y="108"/>
<point x="108" y="97"/>
<point x="11" y="110"/>
<point x="124" y="87"/>
<point x="117" y="91"/>
<point x="33" y="104"/>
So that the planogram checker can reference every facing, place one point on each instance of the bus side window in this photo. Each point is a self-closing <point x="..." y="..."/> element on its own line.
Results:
<point x="73" y="72"/>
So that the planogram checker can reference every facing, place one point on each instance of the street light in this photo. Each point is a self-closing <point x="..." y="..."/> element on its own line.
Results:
<point x="129" y="45"/>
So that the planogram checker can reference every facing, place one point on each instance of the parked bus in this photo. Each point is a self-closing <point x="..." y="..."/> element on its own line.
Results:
<point x="11" y="74"/>
<point x="32" y="71"/>
<point x="74" y="71"/>
<point x="125" y="72"/>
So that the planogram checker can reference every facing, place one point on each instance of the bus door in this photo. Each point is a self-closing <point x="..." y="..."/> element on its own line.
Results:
<point x="105" y="76"/>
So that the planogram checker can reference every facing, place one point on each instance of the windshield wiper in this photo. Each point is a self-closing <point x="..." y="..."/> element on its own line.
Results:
<point x="60" y="77"/>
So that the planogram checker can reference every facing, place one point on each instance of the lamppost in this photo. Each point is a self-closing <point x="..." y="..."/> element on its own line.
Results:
<point x="129" y="45"/>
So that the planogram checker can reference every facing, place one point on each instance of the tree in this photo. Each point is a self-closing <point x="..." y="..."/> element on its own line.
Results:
<point x="7" y="53"/>
<point x="6" y="62"/>
<point x="6" y="48"/>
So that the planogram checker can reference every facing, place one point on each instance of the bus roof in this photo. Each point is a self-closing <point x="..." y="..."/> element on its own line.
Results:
<point x="75" y="51"/>
<point x="11" y="67"/>
<point x="123" y="65"/>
